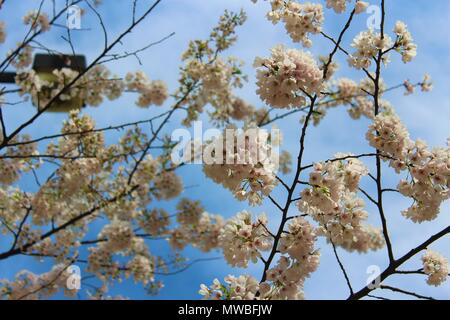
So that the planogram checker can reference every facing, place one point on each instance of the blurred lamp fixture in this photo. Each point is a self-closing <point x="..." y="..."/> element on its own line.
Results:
<point x="44" y="65"/>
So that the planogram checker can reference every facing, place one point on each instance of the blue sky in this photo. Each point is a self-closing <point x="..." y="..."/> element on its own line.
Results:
<point x="426" y="116"/>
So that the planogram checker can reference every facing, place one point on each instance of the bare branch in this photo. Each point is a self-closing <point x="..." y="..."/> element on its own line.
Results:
<point x="409" y="293"/>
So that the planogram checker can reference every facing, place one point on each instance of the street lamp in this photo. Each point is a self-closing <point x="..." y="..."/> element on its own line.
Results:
<point x="43" y="65"/>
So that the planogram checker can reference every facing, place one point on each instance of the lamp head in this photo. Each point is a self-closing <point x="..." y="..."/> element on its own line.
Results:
<point x="45" y="64"/>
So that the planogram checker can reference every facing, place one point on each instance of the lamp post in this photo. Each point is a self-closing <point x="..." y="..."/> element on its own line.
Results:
<point x="43" y="65"/>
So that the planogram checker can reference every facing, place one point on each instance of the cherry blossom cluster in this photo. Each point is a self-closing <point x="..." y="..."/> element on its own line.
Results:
<point x="339" y="6"/>
<point x="427" y="84"/>
<point x="14" y="206"/>
<point x="217" y="78"/>
<point x="140" y="265"/>
<point x="388" y="134"/>
<point x="147" y="171"/>
<point x="91" y="88"/>
<point x="244" y="287"/>
<point x="285" y="162"/>
<point x="165" y="186"/>
<point x="259" y="117"/>
<point x="150" y="92"/>
<point x="356" y="96"/>
<point x="43" y="207"/>
<point x="37" y="20"/>
<point x="242" y="240"/>
<point x="141" y="268"/>
<point x="78" y="130"/>
<point x="118" y="235"/>
<point x="68" y="192"/>
<point x="332" y="201"/>
<point x="429" y="170"/>
<point x="168" y="185"/>
<point x="202" y="233"/>
<point x="155" y="222"/>
<point x="43" y="91"/>
<point x="74" y="175"/>
<point x="404" y="43"/>
<point x="98" y="83"/>
<point x="429" y="183"/>
<point x="31" y="84"/>
<point x="368" y="44"/>
<point x="18" y="163"/>
<point x="331" y="67"/>
<point x="207" y="78"/>
<point x="189" y="212"/>
<point x="300" y="19"/>
<point x="242" y="162"/>
<point x="23" y="58"/>
<point x="241" y="109"/>
<point x="436" y="267"/>
<point x="65" y="244"/>
<point x="30" y="286"/>
<point x="286" y="279"/>
<point x="285" y="77"/>
<point x="196" y="227"/>
<point x="299" y="240"/>
<point x="347" y="89"/>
